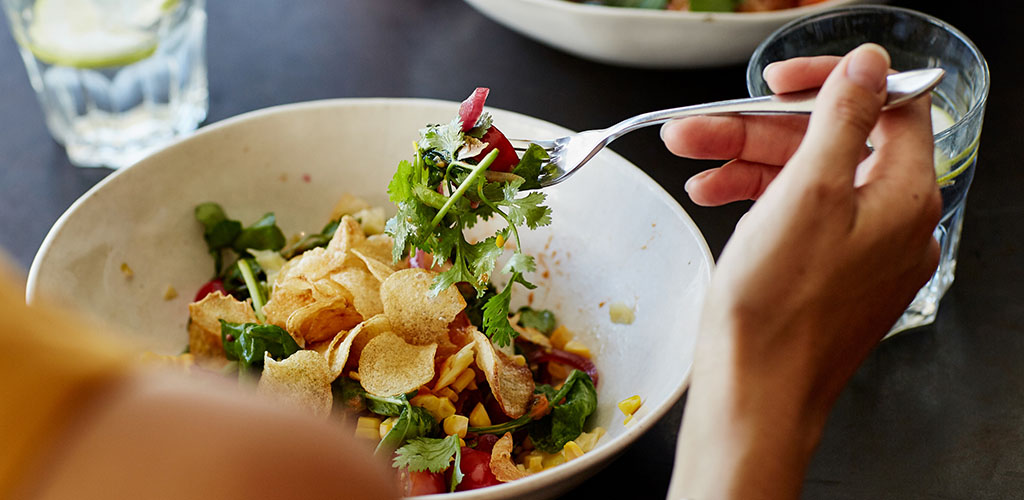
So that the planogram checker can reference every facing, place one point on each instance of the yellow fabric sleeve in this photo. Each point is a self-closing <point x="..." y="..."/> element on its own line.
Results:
<point x="50" y="364"/>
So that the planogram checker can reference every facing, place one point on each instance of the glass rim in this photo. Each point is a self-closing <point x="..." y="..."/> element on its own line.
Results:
<point x="976" y="107"/>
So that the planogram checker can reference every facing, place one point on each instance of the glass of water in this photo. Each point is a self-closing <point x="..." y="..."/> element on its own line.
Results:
<point x="914" y="40"/>
<point x="116" y="79"/>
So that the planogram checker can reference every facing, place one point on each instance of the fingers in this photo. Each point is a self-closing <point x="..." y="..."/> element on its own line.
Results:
<point x="734" y="181"/>
<point x="800" y="73"/>
<point x="759" y="139"/>
<point x="846" y="111"/>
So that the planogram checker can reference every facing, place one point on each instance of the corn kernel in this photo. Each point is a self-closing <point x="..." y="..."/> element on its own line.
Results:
<point x="462" y="442"/>
<point x="354" y="375"/>
<point x="499" y="241"/>
<point x="428" y="402"/>
<point x="560" y="337"/>
<point x="448" y="394"/>
<point x="534" y="463"/>
<point x="454" y="365"/>
<point x="472" y="384"/>
<point x="368" y="427"/>
<point x="387" y="425"/>
<point x="572" y="451"/>
<point x="456" y="425"/>
<point x="519" y="359"/>
<point x="467" y="376"/>
<point x="445" y="409"/>
<point x="553" y="459"/>
<point x="630" y="405"/>
<point x="588" y="440"/>
<point x="479" y="417"/>
<point x="576" y="347"/>
<point x="629" y="418"/>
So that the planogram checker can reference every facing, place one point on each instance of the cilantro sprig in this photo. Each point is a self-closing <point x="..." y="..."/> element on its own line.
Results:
<point x="435" y="222"/>
<point x="433" y="454"/>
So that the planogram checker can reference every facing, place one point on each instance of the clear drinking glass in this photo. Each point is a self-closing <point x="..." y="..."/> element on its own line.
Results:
<point x="914" y="40"/>
<point x="115" y="79"/>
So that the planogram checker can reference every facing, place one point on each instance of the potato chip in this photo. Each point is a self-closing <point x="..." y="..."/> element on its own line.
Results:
<point x="364" y="288"/>
<point x="348" y="205"/>
<point x="337" y="352"/>
<point x="502" y="467"/>
<point x="348" y="236"/>
<point x="380" y="270"/>
<point x="415" y="314"/>
<point x="204" y="328"/>
<point x="511" y="383"/>
<point x="301" y="380"/>
<point x="378" y="247"/>
<point x="365" y="332"/>
<point x="389" y="365"/>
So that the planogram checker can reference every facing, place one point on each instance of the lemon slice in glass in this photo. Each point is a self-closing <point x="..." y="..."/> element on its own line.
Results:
<point x="95" y="33"/>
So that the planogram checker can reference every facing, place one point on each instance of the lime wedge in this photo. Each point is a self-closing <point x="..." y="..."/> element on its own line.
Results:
<point x="95" y="34"/>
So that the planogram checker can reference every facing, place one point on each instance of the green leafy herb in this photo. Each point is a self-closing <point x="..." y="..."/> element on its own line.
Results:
<point x="565" y="422"/>
<point x="434" y="222"/>
<point x="348" y="395"/>
<point x="412" y="422"/>
<point x="543" y="320"/>
<point x="222" y="233"/>
<point x="433" y="454"/>
<point x="261" y="235"/>
<point x="580" y="400"/>
<point x="246" y="342"/>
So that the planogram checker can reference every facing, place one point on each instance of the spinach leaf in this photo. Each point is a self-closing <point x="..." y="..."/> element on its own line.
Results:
<point x="261" y="235"/>
<point x="530" y="166"/>
<point x="543" y="320"/>
<point x="565" y="422"/>
<point x="246" y="342"/>
<point x="348" y="395"/>
<point x="218" y="231"/>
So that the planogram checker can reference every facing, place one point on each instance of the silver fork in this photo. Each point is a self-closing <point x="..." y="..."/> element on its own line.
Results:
<point x="569" y="153"/>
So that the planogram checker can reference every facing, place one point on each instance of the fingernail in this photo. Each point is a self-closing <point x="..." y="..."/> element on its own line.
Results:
<point x="768" y="69"/>
<point x="689" y="182"/>
<point x="868" y="66"/>
<point x="661" y="131"/>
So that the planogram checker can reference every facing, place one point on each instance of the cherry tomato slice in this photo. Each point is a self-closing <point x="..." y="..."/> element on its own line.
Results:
<point x="214" y="285"/>
<point x="476" y="467"/>
<point x="507" y="158"/>
<point x="471" y="109"/>
<point x="420" y="483"/>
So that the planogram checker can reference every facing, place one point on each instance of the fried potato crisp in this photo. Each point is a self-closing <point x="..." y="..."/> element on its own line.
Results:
<point x="415" y="314"/>
<point x="389" y="365"/>
<point x="302" y="380"/>
<point x="364" y="332"/>
<point x="502" y="466"/>
<point x="348" y="205"/>
<point x="204" y="327"/>
<point x="511" y="383"/>
<point x="327" y="290"/>
<point x="337" y="352"/>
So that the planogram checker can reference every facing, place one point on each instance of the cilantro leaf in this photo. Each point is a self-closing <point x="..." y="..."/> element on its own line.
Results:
<point x="480" y="127"/>
<point x="528" y="210"/>
<point x="496" y="323"/>
<point x="400" y="187"/>
<point x="519" y="263"/>
<point x="446" y="139"/>
<point x="433" y="454"/>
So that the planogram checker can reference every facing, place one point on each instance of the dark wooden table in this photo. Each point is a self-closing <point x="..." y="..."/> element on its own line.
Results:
<point x="934" y="413"/>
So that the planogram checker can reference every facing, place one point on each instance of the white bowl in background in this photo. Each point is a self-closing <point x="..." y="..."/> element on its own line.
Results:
<point x="644" y="38"/>
<point x="616" y="236"/>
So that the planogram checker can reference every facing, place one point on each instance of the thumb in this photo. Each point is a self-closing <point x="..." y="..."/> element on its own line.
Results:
<point x="847" y="108"/>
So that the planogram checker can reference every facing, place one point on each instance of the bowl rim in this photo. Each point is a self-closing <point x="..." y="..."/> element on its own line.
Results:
<point x="571" y="7"/>
<point x="546" y="479"/>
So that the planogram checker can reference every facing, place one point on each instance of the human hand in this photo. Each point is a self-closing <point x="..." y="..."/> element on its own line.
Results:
<point x="826" y="260"/>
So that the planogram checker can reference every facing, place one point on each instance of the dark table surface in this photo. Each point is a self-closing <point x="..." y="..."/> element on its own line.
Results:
<point x="934" y="413"/>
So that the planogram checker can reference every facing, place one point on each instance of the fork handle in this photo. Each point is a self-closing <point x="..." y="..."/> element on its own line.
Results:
<point x="902" y="87"/>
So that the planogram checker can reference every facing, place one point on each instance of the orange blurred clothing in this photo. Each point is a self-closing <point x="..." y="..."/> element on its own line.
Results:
<point x="52" y="364"/>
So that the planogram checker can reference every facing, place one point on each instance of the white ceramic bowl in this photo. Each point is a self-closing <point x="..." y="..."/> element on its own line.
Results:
<point x="642" y="37"/>
<point x="616" y="237"/>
